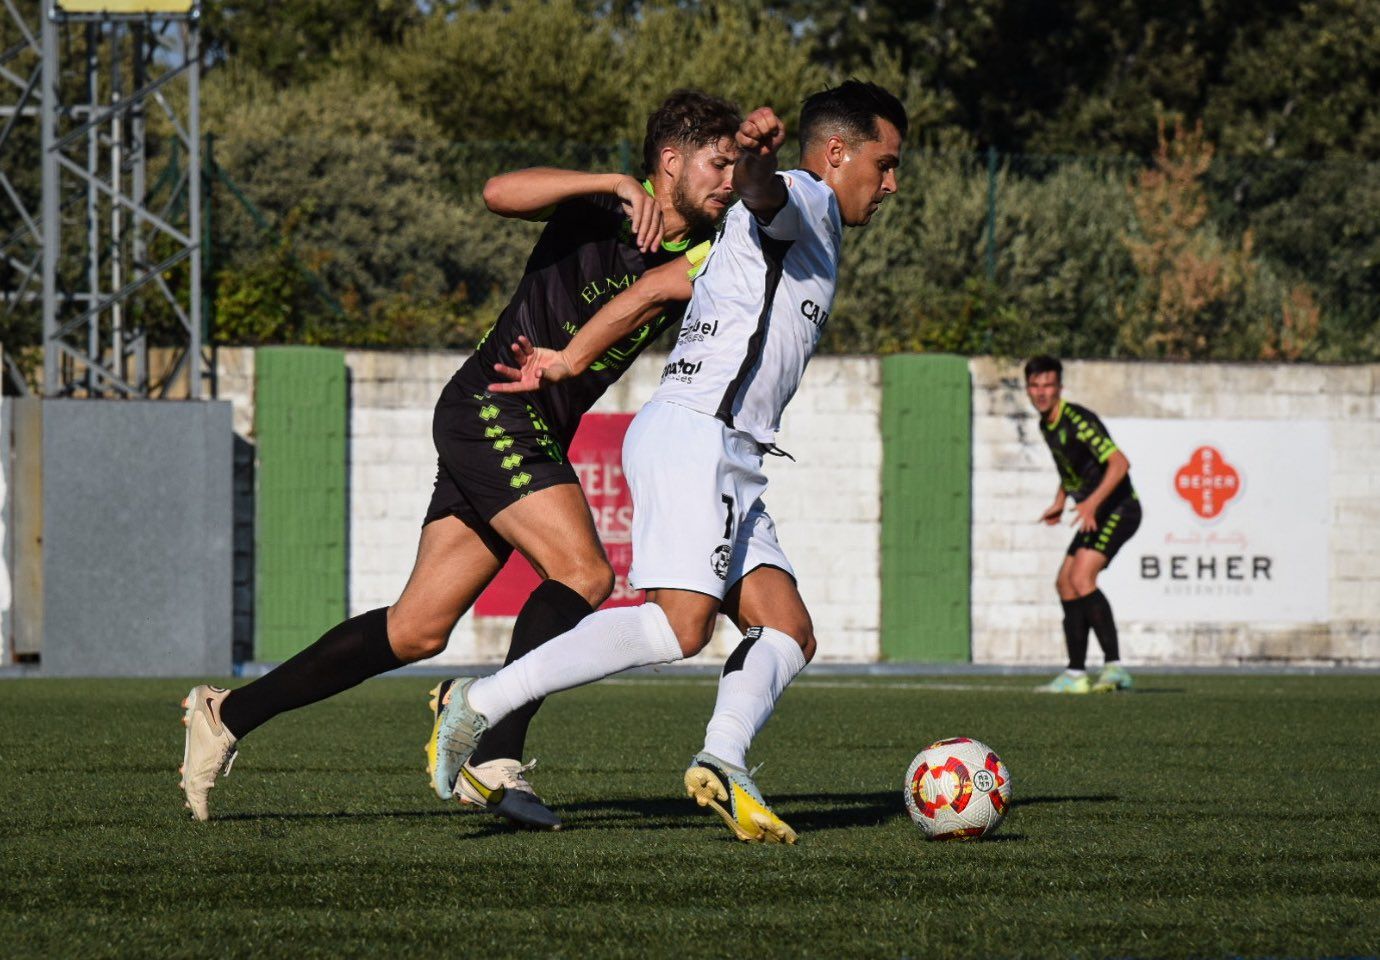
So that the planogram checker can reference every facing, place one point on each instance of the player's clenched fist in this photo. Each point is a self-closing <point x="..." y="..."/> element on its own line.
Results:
<point x="761" y="133"/>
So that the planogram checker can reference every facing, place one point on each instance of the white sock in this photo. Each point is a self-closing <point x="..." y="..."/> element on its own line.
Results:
<point x="754" y="677"/>
<point x="600" y="645"/>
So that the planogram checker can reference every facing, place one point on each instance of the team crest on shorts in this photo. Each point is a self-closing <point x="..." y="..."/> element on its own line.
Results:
<point x="718" y="560"/>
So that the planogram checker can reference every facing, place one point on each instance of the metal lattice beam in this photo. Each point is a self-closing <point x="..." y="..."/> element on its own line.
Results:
<point x="99" y="255"/>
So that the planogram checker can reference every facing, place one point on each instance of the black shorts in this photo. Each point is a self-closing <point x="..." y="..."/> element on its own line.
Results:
<point x="492" y="450"/>
<point x="1115" y="525"/>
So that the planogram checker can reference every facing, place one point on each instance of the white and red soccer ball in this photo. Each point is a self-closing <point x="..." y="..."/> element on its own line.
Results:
<point x="957" y="789"/>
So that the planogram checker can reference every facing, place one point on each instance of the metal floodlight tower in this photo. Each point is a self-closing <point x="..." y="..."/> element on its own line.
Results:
<point x="103" y="260"/>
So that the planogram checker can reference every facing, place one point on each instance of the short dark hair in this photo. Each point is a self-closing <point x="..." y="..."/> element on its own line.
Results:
<point x="1044" y="363"/>
<point x="851" y="109"/>
<point x="688" y="119"/>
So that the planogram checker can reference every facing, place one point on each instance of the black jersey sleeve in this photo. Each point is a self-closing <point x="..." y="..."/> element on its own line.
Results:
<point x="1092" y="433"/>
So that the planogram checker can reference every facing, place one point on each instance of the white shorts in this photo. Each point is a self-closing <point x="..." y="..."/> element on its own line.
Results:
<point x="698" y="519"/>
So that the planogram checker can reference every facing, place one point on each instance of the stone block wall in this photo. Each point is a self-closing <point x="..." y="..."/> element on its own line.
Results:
<point x="826" y="503"/>
<point x="1015" y="613"/>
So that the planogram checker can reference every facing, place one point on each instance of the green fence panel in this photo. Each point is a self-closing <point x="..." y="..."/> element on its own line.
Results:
<point x="926" y="508"/>
<point x="300" y="425"/>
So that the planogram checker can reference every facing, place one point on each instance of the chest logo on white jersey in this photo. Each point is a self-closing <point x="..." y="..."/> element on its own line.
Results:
<point x="814" y="313"/>
<point x="697" y="330"/>
<point x="681" y="370"/>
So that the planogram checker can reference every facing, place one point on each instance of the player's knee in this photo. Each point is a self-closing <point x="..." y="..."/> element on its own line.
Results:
<point x="693" y="638"/>
<point x="802" y="631"/>
<point x="415" y="638"/>
<point x="411" y="647"/>
<point x="1083" y="583"/>
<point x="591" y="579"/>
<point x="692" y="633"/>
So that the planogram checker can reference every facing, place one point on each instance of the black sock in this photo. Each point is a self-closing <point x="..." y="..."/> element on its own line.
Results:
<point x="1076" y="633"/>
<point x="551" y="610"/>
<point x="1099" y="614"/>
<point x="346" y="655"/>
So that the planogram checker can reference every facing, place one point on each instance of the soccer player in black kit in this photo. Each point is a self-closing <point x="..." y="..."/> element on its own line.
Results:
<point x="503" y="479"/>
<point x="1106" y="512"/>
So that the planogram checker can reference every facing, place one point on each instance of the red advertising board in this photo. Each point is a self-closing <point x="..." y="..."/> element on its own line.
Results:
<point x="596" y="455"/>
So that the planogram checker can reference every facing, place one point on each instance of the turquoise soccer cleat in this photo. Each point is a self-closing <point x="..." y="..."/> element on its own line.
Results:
<point x="1114" y="677"/>
<point x="1067" y="682"/>
<point x="455" y="732"/>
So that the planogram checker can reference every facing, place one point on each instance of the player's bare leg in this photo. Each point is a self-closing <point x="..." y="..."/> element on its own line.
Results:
<point x="554" y="530"/>
<point x="452" y="568"/>
<point x="778" y="641"/>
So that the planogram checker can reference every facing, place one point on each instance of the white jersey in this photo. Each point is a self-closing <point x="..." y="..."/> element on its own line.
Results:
<point x="760" y="304"/>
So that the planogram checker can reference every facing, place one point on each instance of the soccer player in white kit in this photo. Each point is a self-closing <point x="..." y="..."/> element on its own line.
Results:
<point x="702" y="538"/>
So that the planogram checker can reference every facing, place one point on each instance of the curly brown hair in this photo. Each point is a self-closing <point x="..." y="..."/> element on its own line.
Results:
<point x="688" y="119"/>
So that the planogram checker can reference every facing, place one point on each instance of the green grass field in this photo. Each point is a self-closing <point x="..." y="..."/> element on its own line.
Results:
<point x="1199" y="816"/>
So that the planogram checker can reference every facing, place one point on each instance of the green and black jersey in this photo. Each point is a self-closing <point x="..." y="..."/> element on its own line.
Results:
<point x="585" y="257"/>
<point x="1081" y="446"/>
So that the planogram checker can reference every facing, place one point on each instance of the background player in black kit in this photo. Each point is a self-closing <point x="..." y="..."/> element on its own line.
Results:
<point x="1107" y="512"/>
<point x="503" y="480"/>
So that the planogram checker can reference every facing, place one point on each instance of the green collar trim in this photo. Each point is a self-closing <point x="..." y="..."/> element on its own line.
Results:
<point x="673" y="246"/>
<point x="1059" y="416"/>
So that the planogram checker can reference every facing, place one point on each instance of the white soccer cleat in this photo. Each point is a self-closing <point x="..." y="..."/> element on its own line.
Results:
<point x="208" y="750"/>
<point x="501" y="787"/>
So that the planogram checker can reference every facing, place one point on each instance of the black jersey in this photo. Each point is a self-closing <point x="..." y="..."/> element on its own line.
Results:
<point x="585" y="257"/>
<point x="1081" y="445"/>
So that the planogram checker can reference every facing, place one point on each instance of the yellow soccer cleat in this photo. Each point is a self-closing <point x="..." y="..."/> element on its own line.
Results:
<point x="730" y="792"/>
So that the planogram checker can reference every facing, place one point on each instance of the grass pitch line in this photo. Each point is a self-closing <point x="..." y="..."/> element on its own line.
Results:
<point x="836" y="684"/>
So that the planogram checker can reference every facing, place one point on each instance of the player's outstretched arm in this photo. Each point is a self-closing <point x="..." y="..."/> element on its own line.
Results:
<point x="759" y="138"/>
<point x="530" y="194"/>
<point x="643" y="302"/>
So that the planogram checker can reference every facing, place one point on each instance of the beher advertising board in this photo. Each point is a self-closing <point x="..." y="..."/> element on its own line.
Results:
<point x="1236" y="518"/>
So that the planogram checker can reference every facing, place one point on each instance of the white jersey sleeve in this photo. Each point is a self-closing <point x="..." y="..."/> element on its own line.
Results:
<point x="760" y="304"/>
<point x="804" y="203"/>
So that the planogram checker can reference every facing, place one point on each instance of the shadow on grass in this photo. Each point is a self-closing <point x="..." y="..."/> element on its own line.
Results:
<point x="812" y="812"/>
<point x="287" y="815"/>
<point x="822" y="811"/>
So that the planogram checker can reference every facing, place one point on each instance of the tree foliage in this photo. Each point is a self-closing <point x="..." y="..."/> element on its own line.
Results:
<point x="363" y="133"/>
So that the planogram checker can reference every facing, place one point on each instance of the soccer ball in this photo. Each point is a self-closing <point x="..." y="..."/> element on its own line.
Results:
<point x="957" y="789"/>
